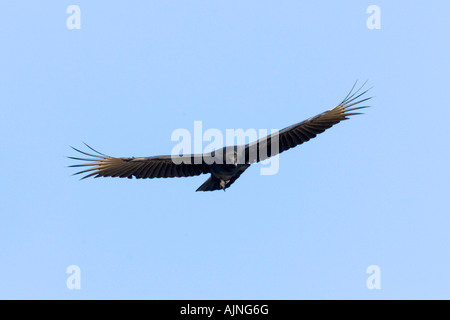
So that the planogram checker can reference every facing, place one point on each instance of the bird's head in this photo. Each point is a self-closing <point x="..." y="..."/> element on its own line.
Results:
<point x="234" y="157"/>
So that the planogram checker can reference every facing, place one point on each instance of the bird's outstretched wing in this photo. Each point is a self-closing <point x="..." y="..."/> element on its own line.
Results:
<point x="100" y="165"/>
<point x="304" y="131"/>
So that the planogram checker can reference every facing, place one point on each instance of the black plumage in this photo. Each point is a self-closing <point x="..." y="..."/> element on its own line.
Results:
<point x="233" y="161"/>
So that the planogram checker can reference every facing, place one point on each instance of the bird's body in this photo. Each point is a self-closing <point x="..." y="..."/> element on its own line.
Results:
<point x="223" y="175"/>
<point x="225" y="165"/>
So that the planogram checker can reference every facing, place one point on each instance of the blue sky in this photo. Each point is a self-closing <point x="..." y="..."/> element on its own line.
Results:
<point x="371" y="191"/>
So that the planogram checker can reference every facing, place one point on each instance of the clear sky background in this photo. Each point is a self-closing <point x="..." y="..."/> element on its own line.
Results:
<point x="373" y="190"/>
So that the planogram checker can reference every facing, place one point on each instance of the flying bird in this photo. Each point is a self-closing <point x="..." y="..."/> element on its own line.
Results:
<point x="227" y="164"/>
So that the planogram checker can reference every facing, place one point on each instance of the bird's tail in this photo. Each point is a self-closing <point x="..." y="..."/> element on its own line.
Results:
<point x="210" y="185"/>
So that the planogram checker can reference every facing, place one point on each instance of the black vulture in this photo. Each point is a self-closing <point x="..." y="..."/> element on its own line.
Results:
<point x="227" y="164"/>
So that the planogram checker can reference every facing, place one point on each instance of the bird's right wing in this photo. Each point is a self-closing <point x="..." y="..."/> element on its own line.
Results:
<point x="100" y="165"/>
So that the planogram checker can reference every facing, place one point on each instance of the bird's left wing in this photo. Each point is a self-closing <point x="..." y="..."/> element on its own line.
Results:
<point x="100" y="165"/>
<point x="304" y="131"/>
